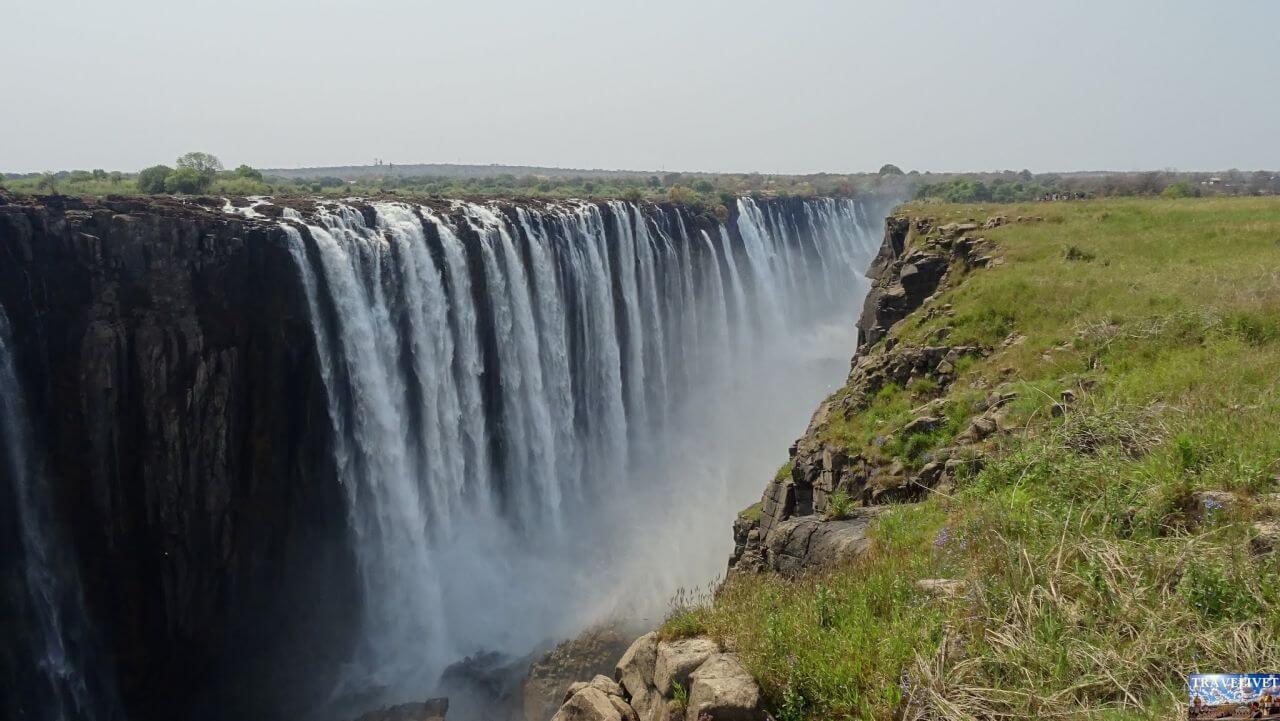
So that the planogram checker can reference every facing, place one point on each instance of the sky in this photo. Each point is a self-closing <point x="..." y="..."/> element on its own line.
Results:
<point x="783" y="87"/>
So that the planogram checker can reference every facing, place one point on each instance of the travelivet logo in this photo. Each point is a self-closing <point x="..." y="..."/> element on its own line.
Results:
<point x="1229" y="696"/>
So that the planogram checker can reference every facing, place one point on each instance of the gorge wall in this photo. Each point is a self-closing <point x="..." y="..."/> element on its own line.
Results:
<point x="304" y="458"/>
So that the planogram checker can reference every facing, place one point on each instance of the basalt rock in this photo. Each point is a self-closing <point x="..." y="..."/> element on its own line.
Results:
<point x="170" y="373"/>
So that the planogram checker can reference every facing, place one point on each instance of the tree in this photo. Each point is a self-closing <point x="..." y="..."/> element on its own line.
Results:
<point x="890" y="169"/>
<point x="244" y="171"/>
<point x="203" y="163"/>
<point x="151" y="180"/>
<point x="1180" y="189"/>
<point x="48" y="183"/>
<point x="186" y="180"/>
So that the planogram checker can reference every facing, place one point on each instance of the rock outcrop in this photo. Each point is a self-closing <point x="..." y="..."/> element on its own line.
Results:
<point x="795" y="531"/>
<point x="170" y="373"/>
<point x="592" y="653"/>
<point x="688" y="679"/>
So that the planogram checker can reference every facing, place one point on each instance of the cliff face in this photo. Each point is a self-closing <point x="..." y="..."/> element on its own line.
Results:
<point x="796" y="527"/>
<point x="171" y="379"/>
<point x="168" y="356"/>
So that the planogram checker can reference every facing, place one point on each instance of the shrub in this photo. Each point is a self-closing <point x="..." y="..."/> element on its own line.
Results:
<point x="1074" y="252"/>
<point x="151" y="180"/>
<point x="244" y="171"/>
<point x="186" y="180"/>
<point x="1180" y="189"/>
<point x="839" y="505"/>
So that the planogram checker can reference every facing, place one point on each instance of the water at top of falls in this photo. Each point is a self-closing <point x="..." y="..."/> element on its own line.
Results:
<point x="547" y="417"/>
<point x="48" y="613"/>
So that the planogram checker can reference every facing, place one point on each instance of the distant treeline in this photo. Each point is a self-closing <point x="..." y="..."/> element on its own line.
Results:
<point x="1010" y="187"/>
<point x="202" y="173"/>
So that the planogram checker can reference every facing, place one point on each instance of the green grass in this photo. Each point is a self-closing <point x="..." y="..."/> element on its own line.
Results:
<point x="1095" y="582"/>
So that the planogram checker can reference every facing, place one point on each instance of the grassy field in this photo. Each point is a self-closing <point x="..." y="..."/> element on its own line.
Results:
<point x="1095" y="578"/>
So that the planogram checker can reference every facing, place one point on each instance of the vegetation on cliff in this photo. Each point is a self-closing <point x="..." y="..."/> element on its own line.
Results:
<point x="1116" y="532"/>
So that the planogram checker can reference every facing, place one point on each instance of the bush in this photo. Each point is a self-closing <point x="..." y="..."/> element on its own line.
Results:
<point x="1180" y="189"/>
<point x="151" y="180"/>
<point x="244" y="171"/>
<point x="186" y="180"/>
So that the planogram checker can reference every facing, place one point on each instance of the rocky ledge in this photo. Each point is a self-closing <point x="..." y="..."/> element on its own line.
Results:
<point x="797" y="528"/>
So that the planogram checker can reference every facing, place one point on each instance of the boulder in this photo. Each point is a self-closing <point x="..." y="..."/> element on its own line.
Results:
<point x="923" y="424"/>
<point x="942" y="587"/>
<point x="650" y="705"/>
<point x="799" y="545"/>
<point x="635" y="669"/>
<point x="1213" y="506"/>
<point x="1266" y="537"/>
<point x="599" y="683"/>
<point x="677" y="659"/>
<point x="591" y="653"/>
<point x="605" y="684"/>
<point x="592" y="704"/>
<point x="724" y="691"/>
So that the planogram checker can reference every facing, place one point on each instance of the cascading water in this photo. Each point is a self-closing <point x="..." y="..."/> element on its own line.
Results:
<point x="546" y="417"/>
<point x="42" y="627"/>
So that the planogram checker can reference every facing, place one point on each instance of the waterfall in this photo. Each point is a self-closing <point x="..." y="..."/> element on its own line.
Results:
<point x="545" y="416"/>
<point x="46" y="639"/>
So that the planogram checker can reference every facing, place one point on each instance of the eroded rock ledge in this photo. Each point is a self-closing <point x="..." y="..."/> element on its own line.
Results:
<point x="795" y="528"/>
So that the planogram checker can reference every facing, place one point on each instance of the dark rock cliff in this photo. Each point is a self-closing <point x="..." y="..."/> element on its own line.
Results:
<point x="169" y="368"/>
<point x="169" y="365"/>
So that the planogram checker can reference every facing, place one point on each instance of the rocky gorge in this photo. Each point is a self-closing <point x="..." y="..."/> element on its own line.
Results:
<point x="262" y="427"/>
<point x="816" y="513"/>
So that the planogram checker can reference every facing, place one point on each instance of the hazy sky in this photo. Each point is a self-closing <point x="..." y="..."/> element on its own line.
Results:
<point x="794" y="86"/>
